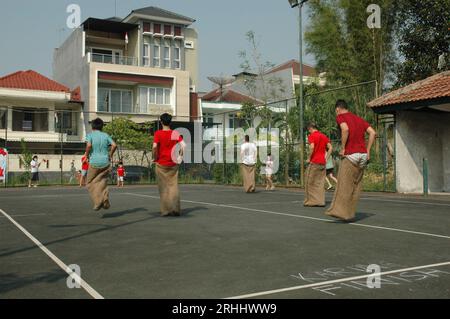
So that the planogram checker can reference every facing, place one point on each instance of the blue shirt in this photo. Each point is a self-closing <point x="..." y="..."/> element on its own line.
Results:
<point x="99" y="156"/>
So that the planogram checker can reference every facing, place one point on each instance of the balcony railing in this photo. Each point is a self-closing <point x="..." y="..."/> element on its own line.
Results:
<point x="114" y="59"/>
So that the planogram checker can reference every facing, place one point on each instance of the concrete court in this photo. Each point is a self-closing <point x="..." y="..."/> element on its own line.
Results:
<point x="226" y="244"/>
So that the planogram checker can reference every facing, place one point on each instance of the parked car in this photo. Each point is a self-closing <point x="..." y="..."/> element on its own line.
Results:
<point x="133" y="174"/>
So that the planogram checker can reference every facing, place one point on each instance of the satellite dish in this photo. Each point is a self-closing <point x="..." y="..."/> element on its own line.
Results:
<point x="221" y="81"/>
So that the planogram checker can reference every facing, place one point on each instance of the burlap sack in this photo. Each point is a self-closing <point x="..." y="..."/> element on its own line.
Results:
<point x="248" y="177"/>
<point x="348" y="190"/>
<point x="168" y="190"/>
<point x="315" y="185"/>
<point x="97" y="185"/>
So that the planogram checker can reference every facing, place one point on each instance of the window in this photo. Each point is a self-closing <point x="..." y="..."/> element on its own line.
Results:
<point x="177" y="55"/>
<point x="103" y="100"/>
<point x="155" y="96"/>
<point x="147" y="27"/>
<point x="159" y="96"/>
<point x="146" y="54"/>
<point x="233" y="121"/>
<point x="177" y="31"/>
<point x="167" y="96"/>
<point x="208" y="118"/>
<point x="66" y="122"/>
<point x="167" y="55"/>
<point x="167" y="29"/>
<point x="3" y="114"/>
<point x="156" y="28"/>
<point x="30" y="120"/>
<point x="106" y="56"/>
<point x="115" y="101"/>
<point x="156" y="54"/>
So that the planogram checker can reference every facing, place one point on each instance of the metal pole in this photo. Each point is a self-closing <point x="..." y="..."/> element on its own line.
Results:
<point x="6" y="147"/>
<point x="425" y="176"/>
<point x="61" y="147"/>
<point x="302" y="142"/>
<point x="384" y="154"/>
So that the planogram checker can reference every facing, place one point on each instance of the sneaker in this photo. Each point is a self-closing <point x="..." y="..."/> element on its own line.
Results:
<point x="273" y="188"/>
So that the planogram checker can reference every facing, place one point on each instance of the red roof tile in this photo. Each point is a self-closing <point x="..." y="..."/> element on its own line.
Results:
<point x="31" y="80"/>
<point x="435" y="86"/>
<point x="75" y="95"/>
<point x="229" y="96"/>
<point x="295" y="66"/>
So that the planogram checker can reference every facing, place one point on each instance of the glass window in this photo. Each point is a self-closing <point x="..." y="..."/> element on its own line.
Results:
<point x="167" y="96"/>
<point x="177" y="31"/>
<point x="167" y="29"/>
<point x="156" y="28"/>
<point x="143" y="100"/>
<point x="103" y="100"/>
<point x="159" y="96"/>
<point x="156" y="54"/>
<point x="146" y="27"/>
<point x="3" y="114"/>
<point x="167" y="57"/>
<point x="177" y="58"/>
<point x="152" y="96"/>
<point x="146" y="54"/>
<point x="116" y="97"/>
<point x="127" y="101"/>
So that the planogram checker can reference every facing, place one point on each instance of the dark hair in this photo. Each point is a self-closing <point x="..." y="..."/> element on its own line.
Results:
<point x="121" y="163"/>
<point x="269" y="154"/>
<point x="35" y="157"/>
<point x="312" y="125"/>
<point x="247" y="138"/>
<point x="166" y="119"/>
<point x="341" y="104"/>
<point x="97" y="124"/>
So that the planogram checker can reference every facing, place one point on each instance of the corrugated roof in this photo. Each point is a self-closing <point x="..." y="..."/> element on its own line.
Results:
<point x="436" y="86"/>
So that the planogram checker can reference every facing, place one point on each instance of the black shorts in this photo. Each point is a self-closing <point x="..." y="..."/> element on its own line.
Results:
<point x="330" y="171"/>
<point x="35" y="177"/>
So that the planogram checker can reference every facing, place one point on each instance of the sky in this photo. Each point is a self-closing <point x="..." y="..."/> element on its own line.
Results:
<point x="30" y="30"/>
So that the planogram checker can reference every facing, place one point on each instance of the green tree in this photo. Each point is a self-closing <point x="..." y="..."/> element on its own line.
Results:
<point x="129" y="135"/>
<point x="25" y="157"/>
<point x="345" y="47"/>
<point x="423" y="35"/>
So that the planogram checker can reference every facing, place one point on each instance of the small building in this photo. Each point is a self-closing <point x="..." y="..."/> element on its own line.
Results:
<point x="422" y="130"/>
<point x="45" y="114"/>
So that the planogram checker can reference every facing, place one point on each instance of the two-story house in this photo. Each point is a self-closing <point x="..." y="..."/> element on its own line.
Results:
<point x="140" y="66"/>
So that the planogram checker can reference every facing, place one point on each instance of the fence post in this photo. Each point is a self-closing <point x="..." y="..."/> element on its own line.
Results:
<point x="425" y="176"/>
<point x="384" y="154"/>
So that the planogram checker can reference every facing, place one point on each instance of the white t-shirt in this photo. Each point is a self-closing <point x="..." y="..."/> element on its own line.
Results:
<point x="269" y="166"/>
<point x="34" y="166"/>
<point x="248" y="153"/>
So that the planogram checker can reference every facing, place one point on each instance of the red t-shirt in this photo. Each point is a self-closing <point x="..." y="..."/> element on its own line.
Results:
<point x="84" y="164"/>
<point x="320" y="147"/>
<point x="356" y="142"/>
<point x="166" y="140"/>
<point x="121" y="171"/>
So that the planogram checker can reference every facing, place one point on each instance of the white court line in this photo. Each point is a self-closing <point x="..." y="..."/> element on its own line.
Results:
<point x="62" y="265"/>
<point x="300" y="216"/>
<point x="25" y="215"/>
<point x="318" y="284"/>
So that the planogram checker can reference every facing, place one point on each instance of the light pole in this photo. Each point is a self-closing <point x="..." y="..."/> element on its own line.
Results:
<point x="299" y="4"/>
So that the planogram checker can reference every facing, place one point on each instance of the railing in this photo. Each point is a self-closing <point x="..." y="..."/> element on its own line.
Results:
<point x="114" y="59"/>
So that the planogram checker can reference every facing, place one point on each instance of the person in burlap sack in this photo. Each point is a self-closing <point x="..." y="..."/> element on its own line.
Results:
<point x="320" y="148"/>
<point x="100" y="149"/>
<point x="167" y="157"/>
<point x="355" y="157"/>
<point x="248" y="166"/>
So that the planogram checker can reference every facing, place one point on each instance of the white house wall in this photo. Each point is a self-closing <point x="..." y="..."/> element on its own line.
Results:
<point x="422" y="135"/>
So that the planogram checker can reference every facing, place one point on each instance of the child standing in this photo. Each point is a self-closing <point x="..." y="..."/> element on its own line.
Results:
<point x="120" y="174"/>
<point x="84" y="170"/>
<point x="269" y="172"/>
